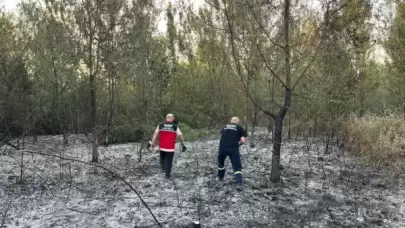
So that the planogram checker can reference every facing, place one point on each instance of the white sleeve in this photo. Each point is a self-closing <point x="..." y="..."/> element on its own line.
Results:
<point x="178" y="131"/>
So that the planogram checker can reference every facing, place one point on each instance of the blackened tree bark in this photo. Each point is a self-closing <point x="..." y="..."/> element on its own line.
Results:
<point x="277" y="140"/>
<point x="86" y="20"/>
<point x="278" y="129"/>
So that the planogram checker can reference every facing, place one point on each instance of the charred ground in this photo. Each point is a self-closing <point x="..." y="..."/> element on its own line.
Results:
<point x="317" y="189"/>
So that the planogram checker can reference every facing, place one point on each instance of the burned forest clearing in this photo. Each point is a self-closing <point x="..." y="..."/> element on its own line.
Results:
<point x="317" y="189"/>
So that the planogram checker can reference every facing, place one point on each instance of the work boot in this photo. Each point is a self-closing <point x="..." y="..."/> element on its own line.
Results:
<point x="238" y="178"/>
<point x="239" y="187"/>
<point x="168" y="176"/>
<point x="221" y="174"/>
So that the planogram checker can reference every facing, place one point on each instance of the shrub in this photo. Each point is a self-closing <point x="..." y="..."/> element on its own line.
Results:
<point x="191" y="134"/>
<point x="124" y="133"/>
<point x="380" y="140"/>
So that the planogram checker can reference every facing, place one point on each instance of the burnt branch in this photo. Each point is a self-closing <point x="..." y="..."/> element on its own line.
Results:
<point x="105" y="169"/>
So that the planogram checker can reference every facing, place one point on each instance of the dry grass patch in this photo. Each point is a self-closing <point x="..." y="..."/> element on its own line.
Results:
<point x="379" y="140"/>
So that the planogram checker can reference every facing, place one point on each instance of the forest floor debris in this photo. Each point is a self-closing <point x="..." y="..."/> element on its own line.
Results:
<point x="317" y="189"/>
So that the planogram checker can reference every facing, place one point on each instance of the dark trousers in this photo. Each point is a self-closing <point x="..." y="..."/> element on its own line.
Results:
<point x="234" y="156"/>
<point x="166" y="161"/>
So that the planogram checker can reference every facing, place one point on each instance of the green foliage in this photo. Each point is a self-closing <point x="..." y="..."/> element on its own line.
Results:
<point x="191" y="134"/>
<point x="395" y="46"/>
<point x="191" y="70"/>
<point x="203" y="95"/>
<point x="16" y="86"/>
<point x="378" y="99"/>
<point x="126" y="132"/>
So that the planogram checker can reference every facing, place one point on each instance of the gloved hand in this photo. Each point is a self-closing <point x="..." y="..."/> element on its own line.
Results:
<point x="183" y="147"/>
<point x="151" y="146"/>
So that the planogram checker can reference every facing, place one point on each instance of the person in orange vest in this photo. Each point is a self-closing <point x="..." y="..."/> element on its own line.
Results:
<point x="168" y="132"/>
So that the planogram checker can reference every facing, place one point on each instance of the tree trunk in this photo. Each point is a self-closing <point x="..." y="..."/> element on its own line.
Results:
<point x="314" y="130"/>
<point x="94" y="157"/>
<point x="65" y="138"/>
<point x="140" y="150"/>
<point x="247" y="108"/>
<point x="362" y="93"/>
<point x="55" y="100"/>
<point x="402" y="94"/>
<point x="289" y="127"/>
<point x="110" y="111"/>
<point x="271" y="129"/>
<point x="328" y="141"/>
<point x="277" y="139"/>
<point x="403" y="103"/>
<point x="278" y="131"/>
<point x="271" y="105"/>
<point x="22" y="167"/>
<point x="252" y="136"/>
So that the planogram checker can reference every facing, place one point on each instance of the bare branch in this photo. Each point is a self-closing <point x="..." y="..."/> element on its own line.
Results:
<point x="8" y="143"/>
<point x="303" y="73"/>
<point x="3" y="222"/>
<point x="253" y="100"/>
<point x="298" y="58"/>
<point x="261" y="26"/>
<point x="212" y="5"/>
<point x="258" y="106"/>
<point x="269" y="67"/>
<point x="238" y="64"/>
<point x="206" y="23"/>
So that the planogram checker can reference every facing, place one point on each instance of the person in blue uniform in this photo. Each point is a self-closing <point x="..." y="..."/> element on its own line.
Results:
<point x="232" y="137"/>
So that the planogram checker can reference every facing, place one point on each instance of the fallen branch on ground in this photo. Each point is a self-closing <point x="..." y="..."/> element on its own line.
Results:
<point x="104" y="168"/>
<point x="3" y="222"/>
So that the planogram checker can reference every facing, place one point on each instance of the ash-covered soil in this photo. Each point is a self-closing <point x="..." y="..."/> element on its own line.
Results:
<point x="317" y="190"/>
